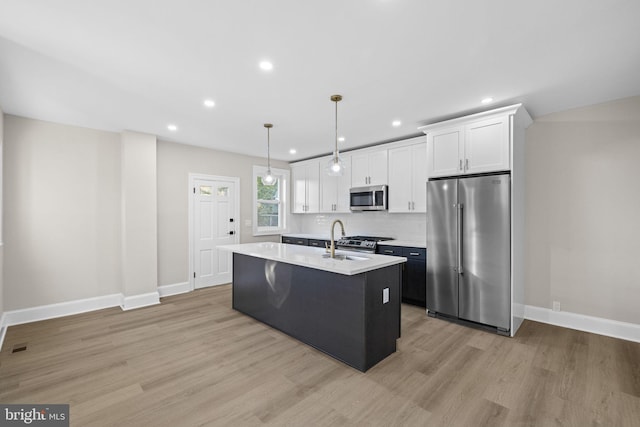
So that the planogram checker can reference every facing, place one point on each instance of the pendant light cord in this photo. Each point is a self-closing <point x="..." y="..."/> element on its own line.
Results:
<point x="269" y="150"/>
<point x="335" y="152"/>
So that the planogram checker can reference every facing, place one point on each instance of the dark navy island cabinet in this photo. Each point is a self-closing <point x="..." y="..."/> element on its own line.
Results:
<point x="414" y="272"/>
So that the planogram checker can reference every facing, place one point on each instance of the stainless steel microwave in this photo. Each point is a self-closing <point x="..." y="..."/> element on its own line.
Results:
<point x="372" y="198"/>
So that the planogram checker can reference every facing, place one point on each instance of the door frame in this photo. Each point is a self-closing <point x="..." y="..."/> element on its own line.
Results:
<point x="192" y="178"/>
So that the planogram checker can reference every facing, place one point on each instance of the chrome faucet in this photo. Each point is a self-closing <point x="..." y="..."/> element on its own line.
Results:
<point x="333" y="242"/>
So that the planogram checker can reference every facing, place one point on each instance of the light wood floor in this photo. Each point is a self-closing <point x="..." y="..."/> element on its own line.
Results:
<point x="194" y="361"/>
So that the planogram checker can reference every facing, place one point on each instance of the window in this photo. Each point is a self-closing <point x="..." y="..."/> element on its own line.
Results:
<point x="270" y="202"/>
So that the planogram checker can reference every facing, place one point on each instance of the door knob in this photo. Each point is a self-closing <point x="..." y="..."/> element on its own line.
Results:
<point x="232" y="232"/>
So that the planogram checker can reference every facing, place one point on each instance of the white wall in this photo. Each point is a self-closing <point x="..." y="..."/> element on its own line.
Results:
<point x="1" y="222"/>
<point x="61" y="213"/>
<point x="583" y="206"/>
<point x="175" y="162"/>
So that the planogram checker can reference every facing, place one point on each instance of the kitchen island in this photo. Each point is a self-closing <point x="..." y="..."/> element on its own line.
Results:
<point x="347" y="308"/>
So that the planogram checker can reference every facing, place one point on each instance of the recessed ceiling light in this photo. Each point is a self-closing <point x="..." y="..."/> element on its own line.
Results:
<point x="396" y="123"/>
<point x="487" y="100"/>
<point x="341" y="139"/>
<point x="292" y="151"/>
<point x="172" y="127"/>
<point x="209" y="103"/>
<point x="266" y="65"/>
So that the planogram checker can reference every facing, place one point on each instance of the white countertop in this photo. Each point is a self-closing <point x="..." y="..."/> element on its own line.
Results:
<point x="406" y="243"/>
<point x="307" y="256"/>
<point x="309" y="236"/>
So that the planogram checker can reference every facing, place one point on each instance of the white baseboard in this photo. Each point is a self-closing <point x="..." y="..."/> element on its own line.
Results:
<point x="581" y="322"/>
<point x="3" y="330"/>
<point x="51" y="311"/>
<point x="174" y="289"/>
<point x="138" y="301"/>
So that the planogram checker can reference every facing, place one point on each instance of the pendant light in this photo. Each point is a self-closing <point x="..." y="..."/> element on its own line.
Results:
<point x="267" y="177"/>
<point x="335" y="167"/>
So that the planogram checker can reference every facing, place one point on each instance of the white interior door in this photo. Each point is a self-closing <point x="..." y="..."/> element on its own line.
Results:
<point x="214" y="224"/>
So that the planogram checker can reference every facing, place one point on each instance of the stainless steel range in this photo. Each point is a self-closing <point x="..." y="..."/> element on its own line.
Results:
<point x="360" y="243"/>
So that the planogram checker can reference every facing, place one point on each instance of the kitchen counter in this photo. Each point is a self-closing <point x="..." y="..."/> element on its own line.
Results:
<point x="422" y="243"/>
<point x="311" y="257"/>
<point x="405" y="243"/>
<point x="309" y="236"/>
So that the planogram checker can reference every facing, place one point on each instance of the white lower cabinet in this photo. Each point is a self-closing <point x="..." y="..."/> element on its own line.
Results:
<point x="408" y="178"/>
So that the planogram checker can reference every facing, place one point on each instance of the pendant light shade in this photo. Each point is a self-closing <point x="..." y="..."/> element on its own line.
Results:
<point x="336" y="166"/>
<point x="267" y="177"/>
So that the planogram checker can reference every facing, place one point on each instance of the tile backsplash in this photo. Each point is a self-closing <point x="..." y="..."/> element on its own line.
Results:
<point x="381" y="224"/>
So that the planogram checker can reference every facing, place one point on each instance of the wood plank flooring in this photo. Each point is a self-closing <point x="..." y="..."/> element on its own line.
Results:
<point x="194" y="361"/>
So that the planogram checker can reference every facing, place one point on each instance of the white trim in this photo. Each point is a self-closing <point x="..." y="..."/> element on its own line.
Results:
<point x="192" y="178"/>
<point x="3" y="330"/>
<point x="51" y="311"/>
<point x="284" y="183"/>
<point x="174" y="289"/>
<point x="581" y="322"/>
<point x="138" y="301"/>
<point x="508" y="110"/>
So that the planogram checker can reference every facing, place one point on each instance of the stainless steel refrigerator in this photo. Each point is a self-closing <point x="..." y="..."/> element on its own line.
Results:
<point x="469" y="249"/>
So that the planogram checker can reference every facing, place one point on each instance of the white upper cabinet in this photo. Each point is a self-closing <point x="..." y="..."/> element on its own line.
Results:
<point x="445" y="152"/>
<point x="369" y="167"/>
<point x="473" y="144"/>
<point x="408" y="177"/>
<point x="486" y="145"/>
<point x="305" y="179"/>
<point x="334" y="190"/>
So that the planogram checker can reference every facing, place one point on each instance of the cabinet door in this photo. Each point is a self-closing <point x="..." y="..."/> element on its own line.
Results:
<point x="400" y="177"/>
<point x="334" y="190"/>
<point x="415" y="276"/>
<point x="317" y="243"/>
<point x="418" y="178"/>
<point x="313" y="187"/>
<point x="378" y="168"/>
<point x="342" y="200"/>
<point x="444" y="152"/>
<point x="299" y="191"/>
<point x="486" y="146"/>
<point x="360" y="170"/>
<point x="389" y="250"/>
<point x="328" y="192"/>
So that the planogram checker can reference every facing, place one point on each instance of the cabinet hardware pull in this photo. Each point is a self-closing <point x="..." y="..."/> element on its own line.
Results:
<point x="408" y="205"/>
<point x="387" y="251"/>
<point x="461" y="164"/>
<point x="414" y="253"/>
<point x="466" y="164"/>
<point x="413" y="206"/>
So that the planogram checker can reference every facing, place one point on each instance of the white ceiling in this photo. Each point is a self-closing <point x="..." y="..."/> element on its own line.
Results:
<point x="142" y="64"/>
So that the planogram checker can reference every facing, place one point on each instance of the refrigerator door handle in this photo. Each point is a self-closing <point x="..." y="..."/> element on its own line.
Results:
<point x="460" y="207"/>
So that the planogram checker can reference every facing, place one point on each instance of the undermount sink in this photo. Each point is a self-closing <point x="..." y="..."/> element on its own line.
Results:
<point x="343" y="257"/>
